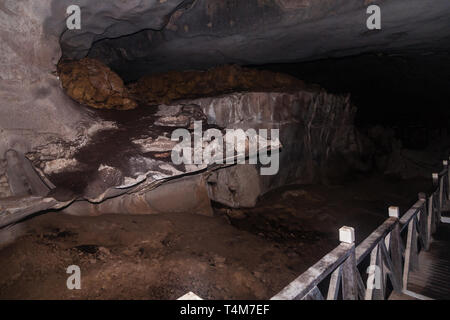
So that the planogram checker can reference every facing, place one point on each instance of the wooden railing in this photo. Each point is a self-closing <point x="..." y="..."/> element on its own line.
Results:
<point x="390" y="253"/>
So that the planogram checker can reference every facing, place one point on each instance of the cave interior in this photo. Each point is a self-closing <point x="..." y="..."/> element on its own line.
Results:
<point x="87" y="175"/>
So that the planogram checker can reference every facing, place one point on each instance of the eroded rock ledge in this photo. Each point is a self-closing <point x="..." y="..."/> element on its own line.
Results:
<point x="171" y="86"/>
<point x="90" y="82"/>
<point x="315" y="128"/>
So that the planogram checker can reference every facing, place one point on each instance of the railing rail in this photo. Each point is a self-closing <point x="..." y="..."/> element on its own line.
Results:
<point x="391" y="250"/>
<point x="340" y="261"/>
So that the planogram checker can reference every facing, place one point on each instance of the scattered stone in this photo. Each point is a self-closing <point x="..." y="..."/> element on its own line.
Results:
<point x="103" y="253"/>
<point x="236" y="214"/>
<point x="168" y="111"/>
<point x="181" y="121"/>
<point x="195" y="113"/>
<point x="161" y="144"/>
<point x="104" y="178"/>
<point x="162" y="155"/>
<point x="59" y="165"/>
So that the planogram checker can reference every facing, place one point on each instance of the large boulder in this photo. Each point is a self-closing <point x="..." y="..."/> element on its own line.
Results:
<point x="90" y="82"/>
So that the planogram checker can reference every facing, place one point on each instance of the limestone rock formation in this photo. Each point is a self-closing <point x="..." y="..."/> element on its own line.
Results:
<point x="35" y="115"/>
<point x="135" y="37"/>
<point x="174" y="85"/>
<point x="315" y="128"/>
<point x="89" y="81"/>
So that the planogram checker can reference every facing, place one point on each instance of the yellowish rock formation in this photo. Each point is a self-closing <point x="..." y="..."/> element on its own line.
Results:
<point x="90" y="82"/>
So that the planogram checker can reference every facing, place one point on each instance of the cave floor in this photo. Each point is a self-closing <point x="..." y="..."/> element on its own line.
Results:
<point x="237" y="254"/>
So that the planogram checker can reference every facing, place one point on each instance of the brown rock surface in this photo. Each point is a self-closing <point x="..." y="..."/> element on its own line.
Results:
<point x="90" y="82"/>
<point x="174" y="85"/>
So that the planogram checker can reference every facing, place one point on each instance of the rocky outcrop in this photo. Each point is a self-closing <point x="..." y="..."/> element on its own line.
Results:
<point x="319" y="140"/>
<point x="35" y="114"/>
<point x="167" y="87"/>
<point x="136" y="148"/>
<point x="90" y="82"/>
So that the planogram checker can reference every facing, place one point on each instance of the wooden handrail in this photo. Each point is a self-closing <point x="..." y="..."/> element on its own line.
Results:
<point x="301" y="286"/>
<point x="385" y="247"/>
<point x="411" y="213"/>
<point x="365" y="247"/>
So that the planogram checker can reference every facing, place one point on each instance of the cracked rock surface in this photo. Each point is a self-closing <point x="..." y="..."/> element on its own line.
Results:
<point x="170" y="86"/>
<point x="90" y="82"/>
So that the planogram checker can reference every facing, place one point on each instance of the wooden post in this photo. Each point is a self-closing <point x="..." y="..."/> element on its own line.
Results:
<point x="435" y="213"/>
<point x="333" y="288"/>
<point x="437" y="201"/>
<point x="394" y="212"/>
<point x="410" y="252"/>
<point x="429" y="222"/>
<point x="435" y="177"/>
<point x="381" y="295"/>
<point x="414" y="247"/>
<point x="371" y="280"/>
<point x="314" y="294"/>
<point x="445" y="186"/>
<point x="349" y="270"/>
<point x="448" y="183"/>
<point x="441" y="197"/>
<point x="395" y="250"/>
<point x="423" y="223"/>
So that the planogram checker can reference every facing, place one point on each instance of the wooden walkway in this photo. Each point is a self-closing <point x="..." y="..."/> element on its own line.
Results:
<point x="432" y="278"/>
<point x="405" y="258"/>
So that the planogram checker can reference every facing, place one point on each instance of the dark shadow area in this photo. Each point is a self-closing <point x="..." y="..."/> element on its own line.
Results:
<point x="406" y="92"/>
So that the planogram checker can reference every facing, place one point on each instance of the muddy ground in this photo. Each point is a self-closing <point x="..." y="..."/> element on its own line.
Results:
<point x="238" y="254"/>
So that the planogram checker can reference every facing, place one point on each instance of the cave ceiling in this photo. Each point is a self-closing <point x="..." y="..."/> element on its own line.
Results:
<point x="141" y="37"/>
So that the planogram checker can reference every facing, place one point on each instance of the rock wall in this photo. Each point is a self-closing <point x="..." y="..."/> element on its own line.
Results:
<point x="36" y="117"/>
<point x="34" y="110"/>
<point x="5" y="191"/>
<point x="320" y="142"/>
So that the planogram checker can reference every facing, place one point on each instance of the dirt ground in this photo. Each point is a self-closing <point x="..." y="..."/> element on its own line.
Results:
<point x="238" y="254"/>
